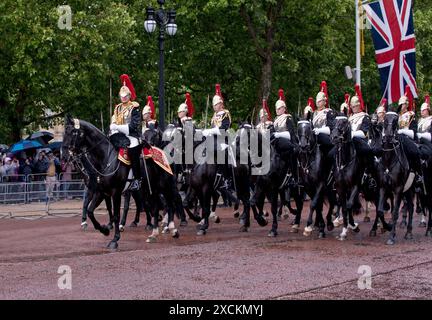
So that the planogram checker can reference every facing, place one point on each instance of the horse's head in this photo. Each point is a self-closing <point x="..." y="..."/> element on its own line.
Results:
<point x="391" y="124"/>
<point x="341" y="132"/>
<point x="153" y="135"/>
<point x="73" y="137"/>
<point x="305" y="134"/>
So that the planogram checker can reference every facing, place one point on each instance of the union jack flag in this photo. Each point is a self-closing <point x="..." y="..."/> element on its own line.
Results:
<point x="394" y="41"/>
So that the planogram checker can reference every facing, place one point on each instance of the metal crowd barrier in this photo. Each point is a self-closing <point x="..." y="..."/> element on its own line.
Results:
<point x="20" y="189"/>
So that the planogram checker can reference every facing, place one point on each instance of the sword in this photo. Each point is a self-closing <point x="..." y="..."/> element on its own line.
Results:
<point x="205" y="119"/>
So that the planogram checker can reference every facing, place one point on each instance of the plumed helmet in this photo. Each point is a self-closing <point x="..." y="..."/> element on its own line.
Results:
<point x="407" y="98"/>
<point x="217" y="98"/>
<point x="358" y="98"/>
<point x="310" y="106"/>
<point x="323" y="94"/>
<point x="127" y="87"/>
<point x="265" y="110"/>
<point x="426" y="104"/>
<point x="281" y="101"/>
<point x="182" y="108"/>
<point x="382" y="108"/>
<point x="149" y="108"/>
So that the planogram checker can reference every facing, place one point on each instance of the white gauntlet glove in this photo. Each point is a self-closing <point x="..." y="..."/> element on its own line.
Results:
<point x="407" y="132"/>
<point x="285" y="135"/>
<point x="325" y="130"/>
<point x="425" y="135"/>
<point x="210" y="132"/>
<point x="358" y="134"/>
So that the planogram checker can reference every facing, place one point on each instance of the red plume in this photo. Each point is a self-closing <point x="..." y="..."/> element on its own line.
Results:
<point x="266" y="109"/>
<point x="152" y="107"/>
<point x="189" y="104"/>
<point x="427" y="100"/>
<point x="360" y="96"/>
<point x="311" y="103"/>
<point x="324" y="89"/>
<point x="218" y="90"/>
<point x="347" y="97"/>
<point x="410" y="97"/>
<point x="281" y="95"/>
<point x="383" y="103"/>
<point x="124" y="78"/>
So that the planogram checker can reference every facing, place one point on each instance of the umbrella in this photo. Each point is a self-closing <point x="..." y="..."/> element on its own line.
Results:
<point x="42" y="136"/>
<point x="56" y="145"/>
<point x="25" y="145"/>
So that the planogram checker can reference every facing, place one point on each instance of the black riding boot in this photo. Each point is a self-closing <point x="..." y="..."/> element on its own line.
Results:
<point x="135" y="154"/>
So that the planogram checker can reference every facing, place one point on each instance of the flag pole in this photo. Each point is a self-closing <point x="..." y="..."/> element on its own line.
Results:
<point x="358" y="53"/>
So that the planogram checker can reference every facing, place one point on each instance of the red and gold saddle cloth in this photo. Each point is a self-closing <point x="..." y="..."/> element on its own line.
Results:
<point x="159" y="157"/>
<point x="123" y="156"/>
<point x="156" y="154"/>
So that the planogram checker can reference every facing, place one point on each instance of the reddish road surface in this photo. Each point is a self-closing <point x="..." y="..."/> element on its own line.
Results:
<point x="224" y="264"/>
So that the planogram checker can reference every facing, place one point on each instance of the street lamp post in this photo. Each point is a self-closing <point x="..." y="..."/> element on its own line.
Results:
<point x="165" y="20"/>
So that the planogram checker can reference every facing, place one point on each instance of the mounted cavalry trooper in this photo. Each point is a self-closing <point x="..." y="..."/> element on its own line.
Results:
<point x="381" y="110"/>
<point x="127" y="120"/>
<point x="345" y="108"/>
<point x="425" y="123"/>
<point x="283" y="123"/>
<point x="220" y="122"/>
<point x="407" y="131"/>
<point x="149" y="114"/>
<point x="360" y="124"/>
<point x="185" y="112"/>
<point x="320" y="118"/>
<point x="264" y="117"/>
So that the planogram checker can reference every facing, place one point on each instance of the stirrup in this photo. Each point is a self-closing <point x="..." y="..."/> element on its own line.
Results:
<point x="135" y="185"/>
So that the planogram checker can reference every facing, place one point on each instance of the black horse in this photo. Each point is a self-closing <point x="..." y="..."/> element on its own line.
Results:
<point x="277" y="179"/>
<point x="394" y="175"/>
<point x="348" y="171"/>
<point x="83" y="140"/>
<point x="314" y="172"/>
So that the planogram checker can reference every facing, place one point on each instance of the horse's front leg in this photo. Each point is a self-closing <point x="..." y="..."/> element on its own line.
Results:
<point x="298" y="198"/>
<point x="116" y="208"/>
<point x="95" y="202"/>
<point x="352" y="200"/>
<point x="313" y="206"/>
<point x="126" y="203"/>
<point x="274" y="209"/>
<point x="343" y="208"/>
<point x="205" y="201"/>
<point x="409" y="195"/>
<point x="87" y="198"/>
<point x="155" y="214"/>
<point x="395" y="215"/>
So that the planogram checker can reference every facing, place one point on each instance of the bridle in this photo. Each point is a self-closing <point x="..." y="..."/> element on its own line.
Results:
<point x="340" y="140"/>
<point x="308" y="149"/>
<point x="76" y="157"/>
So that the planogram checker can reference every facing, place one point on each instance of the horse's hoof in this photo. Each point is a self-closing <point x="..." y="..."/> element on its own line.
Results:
<point x="176" y="234"/>
<point x="149" y="227"/>
<point x="165" y="229"/>
<point x="110" y="226"/>
<point x="330" y="226"/>
<point x="243" y="229"/>
<point x="105" y="231"/>
<point x="113" y="245"/>
<point x="242" y="222"/>
<point x="403" y="225"/>
<point x="151" y="239"/>
<point x="183" y="223"/>
<point x="201" y="232"/>
<point x="321" y="235"/>
<point x="279" y="218"/>
<point x="307" y="231"/>
<point x="84" y="226"/>
<point x="236" y="214"/>
<point x="390" y="242"/>
<point x="272" y="234"/>
<point x="285" y="216"/>
<point x="422" y="224"/>
<point x="408" y="236"/>
<point x="372" y="233"/>
<point x="342" y="237"/>
<point x="121" y="228"/>
<point x="295" y="228"/>
<point x="262" y="222"/>
<point x="217" y="220"/>
<point x="366" y="219"/>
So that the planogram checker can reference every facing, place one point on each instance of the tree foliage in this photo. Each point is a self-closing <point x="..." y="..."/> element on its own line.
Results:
<point x="252" y="48"/>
